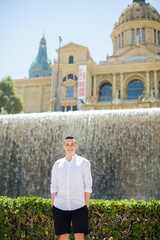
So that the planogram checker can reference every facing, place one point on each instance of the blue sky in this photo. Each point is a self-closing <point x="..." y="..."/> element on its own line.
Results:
<point x="86" y="22"/>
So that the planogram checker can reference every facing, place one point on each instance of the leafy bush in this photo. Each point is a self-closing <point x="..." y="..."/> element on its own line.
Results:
<point x="31" y="218"/>
<point x="8" y="99"/>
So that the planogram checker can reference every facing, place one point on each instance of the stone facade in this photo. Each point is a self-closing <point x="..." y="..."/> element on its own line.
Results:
<point x="135" y="59"/>
<point x="35" y="93"/>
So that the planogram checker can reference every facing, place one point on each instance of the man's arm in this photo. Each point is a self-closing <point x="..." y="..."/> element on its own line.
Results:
<point x="52" y="198"/>
<point x="54" y="184"/>
<point x="87" y="183"/>
<point x="87" y="197"/>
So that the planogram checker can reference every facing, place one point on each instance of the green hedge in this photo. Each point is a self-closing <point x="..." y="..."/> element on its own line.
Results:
<point x="31" y="218"/>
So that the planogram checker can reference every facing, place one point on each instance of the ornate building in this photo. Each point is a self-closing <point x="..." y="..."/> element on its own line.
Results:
<point x="130" y="78"/>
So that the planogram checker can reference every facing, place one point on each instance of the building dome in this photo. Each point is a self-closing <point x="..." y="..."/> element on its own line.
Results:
<point x="139" y="10"/>
<point x="138" y="26"/>
<point x="40" y="66"/>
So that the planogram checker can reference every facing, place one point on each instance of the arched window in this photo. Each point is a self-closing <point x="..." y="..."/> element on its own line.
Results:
<point x="70" y="76"/>
<point x="105" y="93"/>
<point x="135" y="89"/>
<point x="76" y="78"/>
<point x="71" y="59"/>
<point x="64" y="79"/>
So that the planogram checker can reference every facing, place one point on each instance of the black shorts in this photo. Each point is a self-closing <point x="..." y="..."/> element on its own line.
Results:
<point x="62" y="220"/>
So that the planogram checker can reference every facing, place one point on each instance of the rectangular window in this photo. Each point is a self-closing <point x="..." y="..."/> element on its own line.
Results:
<point x="119" y="40"/>
<point x="92" y="85"/>
<point x="143" y="35"/>
<point x="71" y="60"/>
<point x="69" y="92"/>
<point x="122" y="39"/>
<point x="138" y="39"/>
<point x="158" y="37"/>
<point x="68" y="108"/>
<point x="138" y="31"/>
<point x="63" y="109"/>
<point x="133" y="36"/>
<point x="155" y="40"/>
<point x="116" y="43"/>
<point x="74" y="108"/>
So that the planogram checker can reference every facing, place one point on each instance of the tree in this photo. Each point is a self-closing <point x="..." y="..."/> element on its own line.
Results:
<point x="8" y="98"/>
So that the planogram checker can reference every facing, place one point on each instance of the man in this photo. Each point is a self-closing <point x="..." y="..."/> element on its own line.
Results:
<point x="71" y="184"/>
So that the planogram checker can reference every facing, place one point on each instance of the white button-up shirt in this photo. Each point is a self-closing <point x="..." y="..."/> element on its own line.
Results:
<point x="71" y="180"/>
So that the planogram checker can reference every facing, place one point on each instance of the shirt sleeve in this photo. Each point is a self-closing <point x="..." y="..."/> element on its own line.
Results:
<point x="54" y="183"/>
<point x="87" y="177"/>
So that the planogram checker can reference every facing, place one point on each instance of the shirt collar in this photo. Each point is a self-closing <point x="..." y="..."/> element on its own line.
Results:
<point x="73" y="158"/>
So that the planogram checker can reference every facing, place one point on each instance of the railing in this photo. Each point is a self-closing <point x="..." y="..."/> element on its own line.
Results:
<point x="104" y="98"/>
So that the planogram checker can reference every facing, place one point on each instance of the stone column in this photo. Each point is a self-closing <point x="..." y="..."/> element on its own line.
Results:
<point x="60" y="91"/>
<point x="147" y="84"/>
<point x="114" y="87"/>
<point x="156" y="84"/>
<point x="54" y="86"/>
<point x="121" y="87"/>
<point x="89" y="83"/>
<point x="56" y="91"/>
<point x="51" y="90"/>
<point x="94" y="86"/>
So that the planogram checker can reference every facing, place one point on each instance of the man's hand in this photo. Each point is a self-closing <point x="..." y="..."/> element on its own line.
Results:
<point x="52" y="198"/>
<point x="87" y="197"/>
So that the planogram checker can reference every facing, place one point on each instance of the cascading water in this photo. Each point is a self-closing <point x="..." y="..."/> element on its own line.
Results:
<point x="123" y="147"/>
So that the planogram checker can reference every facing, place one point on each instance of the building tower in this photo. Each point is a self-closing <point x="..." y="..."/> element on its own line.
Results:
<point x="40" y="66"/>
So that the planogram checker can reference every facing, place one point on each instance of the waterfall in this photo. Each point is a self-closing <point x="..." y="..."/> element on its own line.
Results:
<point x="123" y="147"/>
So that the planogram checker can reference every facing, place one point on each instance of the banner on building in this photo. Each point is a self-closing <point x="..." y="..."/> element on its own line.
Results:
<point x="82" y="86"/>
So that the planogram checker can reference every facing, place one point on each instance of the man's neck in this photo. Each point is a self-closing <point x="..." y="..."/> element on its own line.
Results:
<point x="69" y="157"/>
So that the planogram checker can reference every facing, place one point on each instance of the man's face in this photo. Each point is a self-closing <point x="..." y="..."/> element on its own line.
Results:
<point x="70" y="146"/>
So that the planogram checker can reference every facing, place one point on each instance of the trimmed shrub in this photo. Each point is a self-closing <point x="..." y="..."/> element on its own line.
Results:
<point x="31" y="218"/>
<point x="130" y="220"/>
